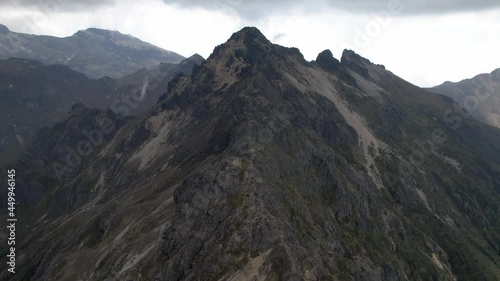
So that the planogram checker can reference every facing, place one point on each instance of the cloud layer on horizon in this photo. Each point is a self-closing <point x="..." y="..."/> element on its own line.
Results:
<point x="406" y="42"/>
<point x="253" y="9"/>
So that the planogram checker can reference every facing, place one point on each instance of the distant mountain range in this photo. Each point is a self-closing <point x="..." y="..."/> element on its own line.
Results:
<point x="93" y="52"/>
<point x="480" y="96"/>
<point x="258" y="166"/>
<point x="34" y="95"/>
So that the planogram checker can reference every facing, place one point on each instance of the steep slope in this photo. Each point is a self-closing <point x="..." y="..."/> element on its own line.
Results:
<point x="34" y="95"/>
<point x="94" y="52"/>
<point x="149" y="84"/>
<point x="479" y="95"/>
<point x="263" y="166"/>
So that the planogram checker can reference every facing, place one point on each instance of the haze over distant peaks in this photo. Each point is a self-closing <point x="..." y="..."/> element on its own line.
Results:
<point x="479" y="95"/>
<point x="94" y="52"/>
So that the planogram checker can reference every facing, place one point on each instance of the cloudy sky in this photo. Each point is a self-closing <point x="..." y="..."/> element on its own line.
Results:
<point x="424" y="41"/>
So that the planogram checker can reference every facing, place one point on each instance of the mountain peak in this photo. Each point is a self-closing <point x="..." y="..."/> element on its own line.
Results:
<point x="100" y="30"/>
<point x="249" y="33"/>
<point x="349" y="56"/>
<point x="356" y="62"/>
<point x="4" y="29"/>
<point x="248" y="45"/>
<point x="99" y="33"/>
<point x="196" y="58"/>
<point x="326" y="60"/>
<point x="495" y="75"/>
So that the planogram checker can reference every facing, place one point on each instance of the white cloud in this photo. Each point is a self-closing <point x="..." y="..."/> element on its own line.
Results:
<point x="253" y="9"/>
<point x="433" y="49"/>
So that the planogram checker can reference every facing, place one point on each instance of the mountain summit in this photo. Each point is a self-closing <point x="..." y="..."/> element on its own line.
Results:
<point x="4" y="29"/>
<point x="264" y="166"/>
<point x="94" y="52"/>
<point x="480" y="96"/>
<point x="249" y="33"/>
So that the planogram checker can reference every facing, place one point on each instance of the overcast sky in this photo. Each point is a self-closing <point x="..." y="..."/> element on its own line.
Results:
<point x="425" y="42"/>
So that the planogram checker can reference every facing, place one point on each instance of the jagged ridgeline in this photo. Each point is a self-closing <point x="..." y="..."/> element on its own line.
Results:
<point x="264" y="166"/>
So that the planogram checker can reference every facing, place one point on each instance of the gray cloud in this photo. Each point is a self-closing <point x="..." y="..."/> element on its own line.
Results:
<point x="278" y="36"/>
<point x="54" y="6"/>
<point x="259" y="8"/>
<point x="252" y="9"/>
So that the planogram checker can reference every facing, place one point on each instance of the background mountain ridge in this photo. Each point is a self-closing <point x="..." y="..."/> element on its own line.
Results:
<point x="94" y="52"/>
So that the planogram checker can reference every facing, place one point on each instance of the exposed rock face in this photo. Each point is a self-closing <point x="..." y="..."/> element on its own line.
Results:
<point x="480" y="96"/>
<point x="263" y="166"/>
<point x="94" y="52"/>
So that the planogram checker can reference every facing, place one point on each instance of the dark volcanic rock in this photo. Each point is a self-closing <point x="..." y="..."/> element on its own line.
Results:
<point x="355" y="62"/>
<point x="326" y="60"/>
